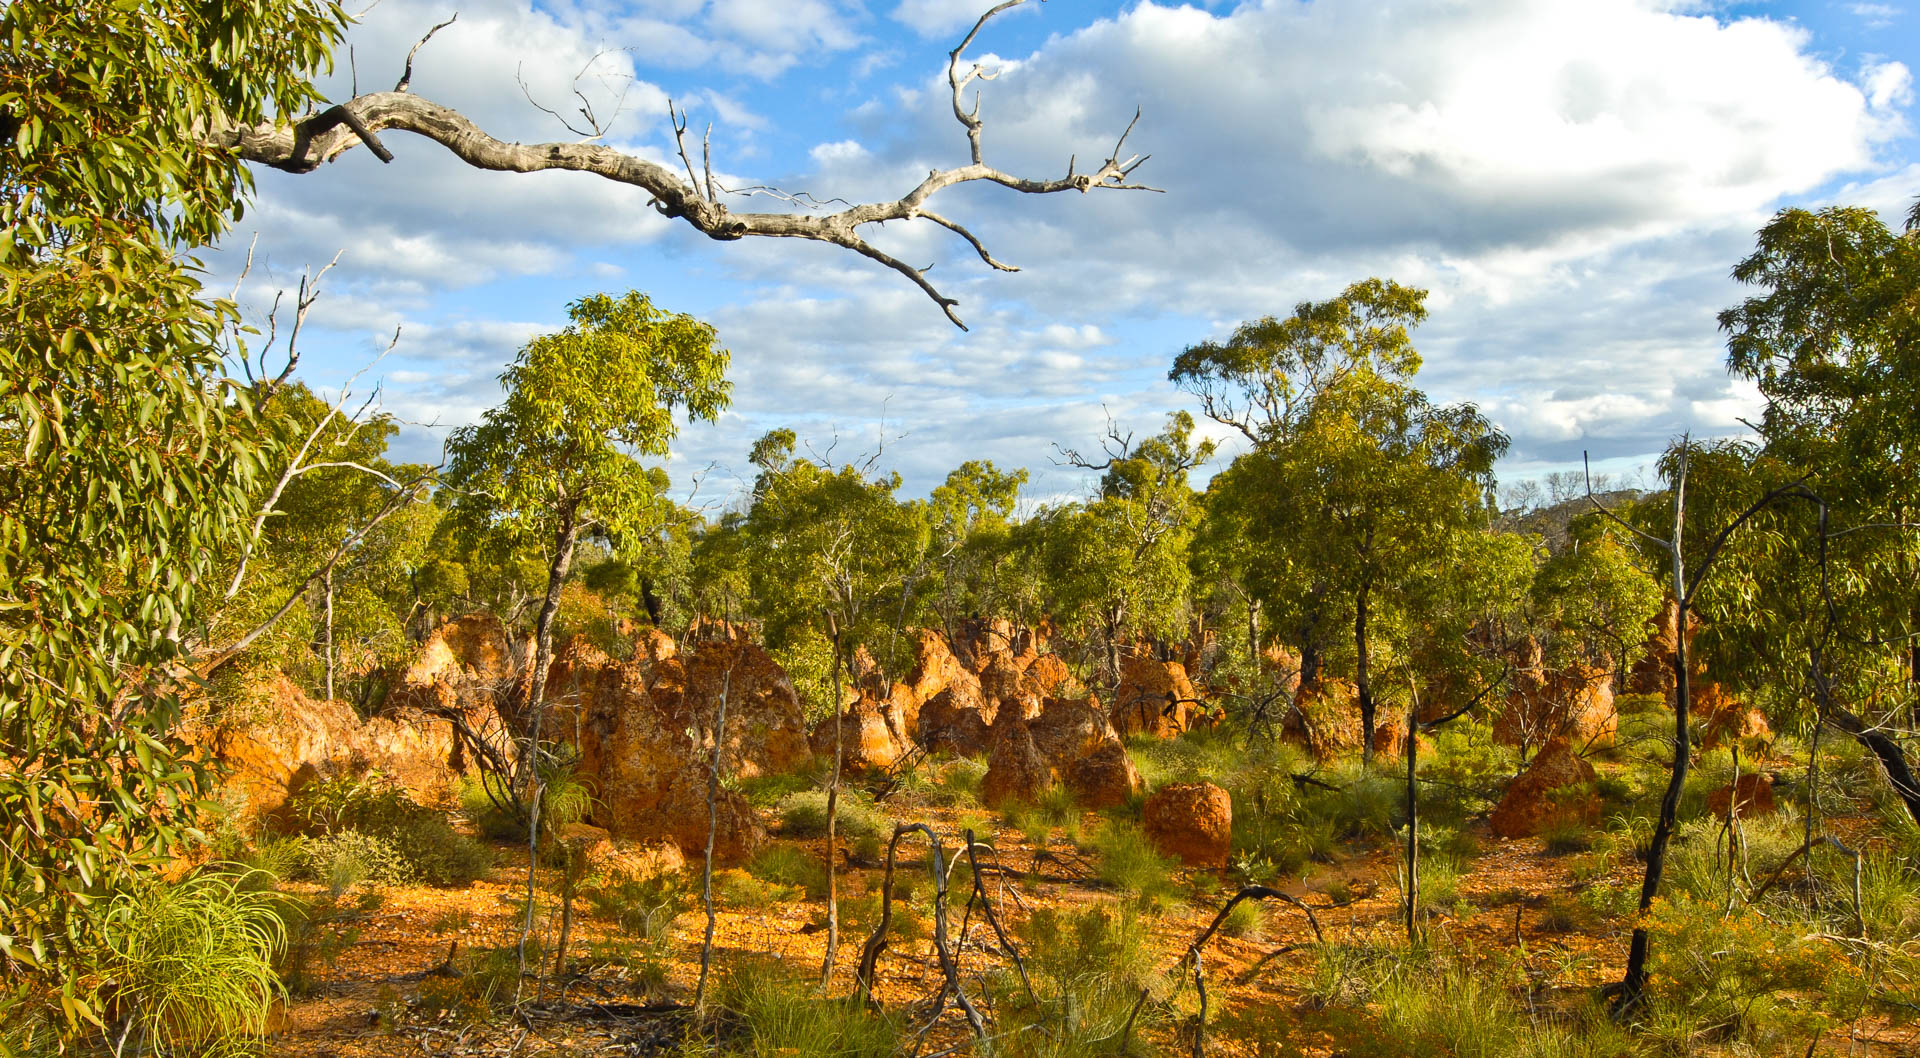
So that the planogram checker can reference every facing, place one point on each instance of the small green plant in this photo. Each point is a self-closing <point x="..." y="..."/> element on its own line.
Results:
<point x="1244" y="921"/>
<point x="1127" y="861"/>
<point x="345" y="859"/>
<point x="772" y="1009"/>
<point x="1090" y="969"/>
<point x="1564" y="837"/>
<point x="419" y="844"/>
<point x="641" y="907"/>
<point x="785" y="865"/>
<point x="190" y="965"/>
<point x="734" y="887"/>
<point x="804" y="815"/>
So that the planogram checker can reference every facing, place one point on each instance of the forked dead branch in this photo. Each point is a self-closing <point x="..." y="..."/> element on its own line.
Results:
<point x="302" y="146"/>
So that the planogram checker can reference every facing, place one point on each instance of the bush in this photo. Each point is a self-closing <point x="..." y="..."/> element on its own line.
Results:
<point x="400" y="841"/>
<point x="1244" y="921"/>
<point x="736" y="888"/>
<point x="772" y="1009"/>
<point x="345" y="859"/>
<point x="766" y="791"/>
<point x="957" y="783"/>
<point x="641" y="907"/>
<point x="804" y="815"/>
<point x="1088" y="969"/>
<point x="785" y="865"/>
<point x="1564" y="837"/>
<point x="1127" y="861"/>
<point x="191" y="965"/>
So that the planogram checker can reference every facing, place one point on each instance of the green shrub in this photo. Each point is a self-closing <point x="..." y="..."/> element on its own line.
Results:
<point x="767" y="791"/>
<point x="317" y="932"/>
<point x="1244" y="920"/>
<point x="489" y="979"/>
<point x="347" y="858"/>
<point x="427" y="848"/>
<point x="770" y="1009"/>
<point x="1127" y="861"/>
<point x="1089" y="968"/>
<point x="785" y="865"/>
<point x="642" y="907"/>
<point x="957" y="782"/>
<point x="1564" y="836"/>
<point x="190" y="965"/>
<point x="736" y="888"/>
<point x="804" y="815"/>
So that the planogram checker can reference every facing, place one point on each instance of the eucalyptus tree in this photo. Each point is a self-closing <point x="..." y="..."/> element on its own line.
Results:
<point x="132" y="456"/>
<point x="1116" y="566"/>
<point x="971" y="548"/>
<point x="1596" y="596"/>
<point x="1831" y="338"/>
<point x="1355" y="479"/>
<point x="559" y="459"/>
<point x="823" y="540"/>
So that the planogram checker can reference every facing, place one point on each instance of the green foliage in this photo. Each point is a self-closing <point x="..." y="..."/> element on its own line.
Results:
<point x="1355" y="480"/>
<point x="642" y="907"/>
<point x="132" y="454"/>
<point x="769" y="1009"/>
<point x="190" y="965"/>
<point x="804" y="815"/>
<point x="1127" y="861"/>
<point x="371" y="822"/>
<point x="1089" y="969"/>
<point x="1598" y="592"/>
<point x="821" y="539"/>
<point x="787" y="866"/>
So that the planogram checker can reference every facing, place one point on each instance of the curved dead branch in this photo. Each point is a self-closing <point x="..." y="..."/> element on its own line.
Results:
<point x="1195" y="950"/>
<point x="949" y="968"/>
<point x="303" y="146"/>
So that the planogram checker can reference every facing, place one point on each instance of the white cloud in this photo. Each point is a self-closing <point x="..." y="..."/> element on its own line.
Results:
<point x="1572" y="182"/>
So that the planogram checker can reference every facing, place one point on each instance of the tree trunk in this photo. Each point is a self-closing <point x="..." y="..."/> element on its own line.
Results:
<point x="713" y="825"/>
<point x="530" y="790"/>
<point x="1634" y="986"/>
<point x="833" y="810"/>
<point x="329" y="644"/>
<point x="1360" y="676"/>
<point x="1886" y="749"/>
<point x="1413" y="822"/>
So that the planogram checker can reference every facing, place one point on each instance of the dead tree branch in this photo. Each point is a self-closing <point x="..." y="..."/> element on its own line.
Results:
<point x="949" y="968"/>
<point x="302" y="146"/>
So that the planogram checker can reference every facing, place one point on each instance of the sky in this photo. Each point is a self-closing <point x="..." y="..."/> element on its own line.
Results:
<point x="1571" y="181"/>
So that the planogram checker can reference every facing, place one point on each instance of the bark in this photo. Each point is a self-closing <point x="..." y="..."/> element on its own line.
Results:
<point x="833" y="809"/>
<point x="1361" y="680"/>
<point x="1634" y="986"/>
<point x="1413" y="822"/>
<point x="713" y="825"/>
<point x="530" y="790"/>
<point x="329" y="642"/>
<point x="1886" y="749"/>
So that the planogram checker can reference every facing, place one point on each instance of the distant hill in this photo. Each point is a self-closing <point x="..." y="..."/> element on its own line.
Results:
<point x="1551" y="521"/>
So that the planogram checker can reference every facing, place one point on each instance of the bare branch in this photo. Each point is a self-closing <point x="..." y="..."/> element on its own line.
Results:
<point x="978" y="247"/>
<point x="406" y="76"/>
<point x="302" y="146"/>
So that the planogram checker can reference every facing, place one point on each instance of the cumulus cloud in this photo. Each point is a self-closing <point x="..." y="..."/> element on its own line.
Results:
<point x="1571" y="181"/>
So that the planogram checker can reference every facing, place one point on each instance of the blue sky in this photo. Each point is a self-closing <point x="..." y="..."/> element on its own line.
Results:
<point x="1572" y="181"/>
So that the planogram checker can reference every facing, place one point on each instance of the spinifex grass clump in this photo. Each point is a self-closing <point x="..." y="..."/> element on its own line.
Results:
<point x="1097" y="989"/>
<point x="763" y="1007"/>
